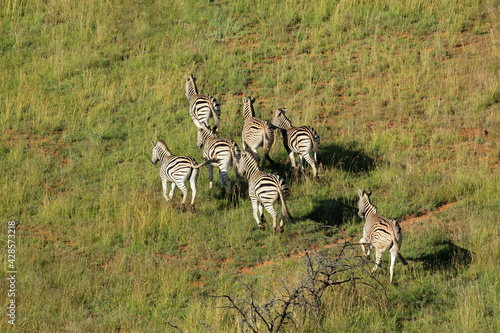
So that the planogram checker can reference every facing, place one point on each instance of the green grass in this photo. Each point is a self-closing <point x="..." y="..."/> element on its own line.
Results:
<point x="404" y="95"/>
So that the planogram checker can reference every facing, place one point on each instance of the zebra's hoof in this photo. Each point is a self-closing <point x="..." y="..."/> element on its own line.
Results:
<point x="282" y="229"/>
<point x="183" y="208"/>
<point x="191" y="208"/>
<point x="317" y="178"/>
<point x="262" y="227"/>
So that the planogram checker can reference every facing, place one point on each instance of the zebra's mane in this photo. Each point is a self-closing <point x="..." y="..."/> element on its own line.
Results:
<point x="368" y="206"/>
<point x="191" y="84"/>
<point x="252" y="159"/>
<point x="162" y="146"/>
<point x="248" y="104"/>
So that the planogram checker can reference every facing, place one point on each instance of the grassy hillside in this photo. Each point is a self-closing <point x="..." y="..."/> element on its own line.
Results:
<point x="404" y="94"/>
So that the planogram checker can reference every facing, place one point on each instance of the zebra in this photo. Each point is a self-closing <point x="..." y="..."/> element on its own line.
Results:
<point x="299" y="140"/>
<point x="379" y="232"/>
<point x="201" y="107"/>
<point x="176" y="169"/>
<point x="264" y="189"/>
<point x="222" y="152"/>
<point x="256" y="132"/>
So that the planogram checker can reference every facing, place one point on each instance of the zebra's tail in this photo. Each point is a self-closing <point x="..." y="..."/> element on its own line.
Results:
<point x="235" y="154"/>
<point x="197" y="166"/>
<point x="215" y="114"/>
<point x="395" y="242"/>
<point x="282" y="188"/>
<point x="268" y="140"/>
<point x="315" y="142"/>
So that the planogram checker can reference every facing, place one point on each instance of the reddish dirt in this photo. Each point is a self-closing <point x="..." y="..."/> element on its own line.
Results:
<point x="412" y="221"/>
<point x="409" y="222"/>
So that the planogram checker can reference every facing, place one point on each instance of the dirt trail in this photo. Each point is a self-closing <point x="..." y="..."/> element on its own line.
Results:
<point x="408" y="223"/>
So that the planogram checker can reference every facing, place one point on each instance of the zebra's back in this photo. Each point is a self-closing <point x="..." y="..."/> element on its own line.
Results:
<point x="178" y="168"/>
<point x="300" y="139"/>
<point x="381" y="232"/>
<point x="204" y="107"/>
<point x="255" y="131"/>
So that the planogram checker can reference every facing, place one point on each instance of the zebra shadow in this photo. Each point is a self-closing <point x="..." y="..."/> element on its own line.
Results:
<point x="447" y="256"/>
<point x="348" y="158"/>
<point x="333" y="212"/>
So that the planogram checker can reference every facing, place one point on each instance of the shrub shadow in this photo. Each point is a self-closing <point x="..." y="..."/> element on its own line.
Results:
<point x="347" y="158"/>
<point x="447" y="256"/>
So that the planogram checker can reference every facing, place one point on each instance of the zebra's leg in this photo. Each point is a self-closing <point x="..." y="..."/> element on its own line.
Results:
<point x="270" y="209"/>
<point x="164" y="185"/>
<point x="192" y="181"/>
<point x="171" y="194"/>
<point x="224" y="175"/>
<point x="378" y="256"/>
<point x="362" y="241"/>
<point x="184" y="190"/>
<point x="261" y="213"/>
<point x="366" y="247"/>
<point x="312" y="163"/>
<point x="235" y="169"/>
<point x="301" y="162"/>
<point x="292" y="159"/>
<point x="256" y="217"/>
<point x="394" y="255"/>
<point x="210" y="169"/>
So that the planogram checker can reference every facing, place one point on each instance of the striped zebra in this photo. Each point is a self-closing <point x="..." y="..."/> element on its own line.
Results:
<point x="176" y="169"/>
<point x="264" y="189"/>
<point x="223" y="152"/>
<point x="256" y="133"/>
<point x="299" y="140"/>
<point x="379" y="232"/>
<point x="201" y="107"/>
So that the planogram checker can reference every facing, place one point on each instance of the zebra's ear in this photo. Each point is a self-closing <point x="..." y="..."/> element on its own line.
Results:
<point x="153" y="144"/>
<point x="244" y="99"/>
<point x="252" y="100"/>
<point x="360" y="193"/>
<point x="369" y="193"/>
<point x="284" y="109"/>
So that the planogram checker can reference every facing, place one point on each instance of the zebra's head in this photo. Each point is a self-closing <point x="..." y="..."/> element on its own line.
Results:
<point x="248" y="110"/>
<point x="191" y="88"/>
<point x="248" y="161"/>
<point x="204" y="132"/>
<point x="364" y="202"/>
<point x="280" y="120"/>
<point x="156" y="156"/>
<point x="160" y="150"/>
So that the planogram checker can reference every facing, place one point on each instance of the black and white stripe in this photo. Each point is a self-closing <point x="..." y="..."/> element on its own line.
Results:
<point x="201" y="107"/>
<point x="176" y="169"/>
<point x="264" y="189"/>
<point x="379" y="232"/>
<point x="256" y="133"/>
<point x="299" y="140"/>
<point x="223" y="153"/>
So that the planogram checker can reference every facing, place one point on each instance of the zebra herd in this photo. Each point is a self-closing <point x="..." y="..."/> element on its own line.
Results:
<point x="264" y="189"/>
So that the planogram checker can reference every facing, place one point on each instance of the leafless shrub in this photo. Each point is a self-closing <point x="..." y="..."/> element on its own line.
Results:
<point x="341" y="266"/>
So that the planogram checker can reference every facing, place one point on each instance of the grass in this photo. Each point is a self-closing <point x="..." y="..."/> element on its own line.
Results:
<point x="404" y="95"/>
